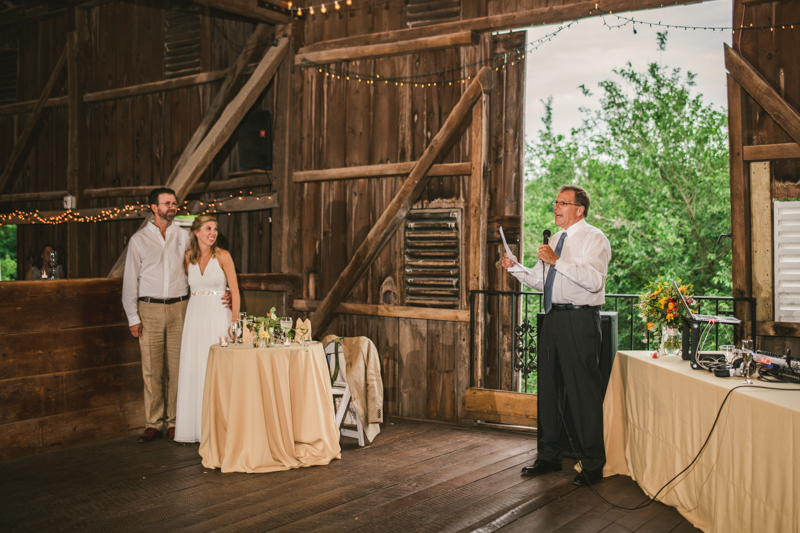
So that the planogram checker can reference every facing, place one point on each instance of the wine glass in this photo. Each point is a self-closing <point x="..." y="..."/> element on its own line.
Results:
<point x="236" y="330"/>
<point x="53" y="264"/>
<point x="286" y="326"/>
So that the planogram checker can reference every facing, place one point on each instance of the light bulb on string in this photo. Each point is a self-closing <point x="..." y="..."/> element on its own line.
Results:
<point x="336" y="5"/>
<point x="323" y="9"/>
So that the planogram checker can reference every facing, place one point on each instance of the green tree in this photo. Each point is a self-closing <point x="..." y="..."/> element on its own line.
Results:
<point x="654" y="158"/>
<point x="8" y="252"/>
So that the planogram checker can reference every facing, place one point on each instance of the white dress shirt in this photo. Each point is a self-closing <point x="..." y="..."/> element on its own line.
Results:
<point x="581" y="270"/>
<point x="154" y="267"/>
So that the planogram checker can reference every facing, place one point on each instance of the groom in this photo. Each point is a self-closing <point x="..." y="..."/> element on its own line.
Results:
<point x="155" y="293"/>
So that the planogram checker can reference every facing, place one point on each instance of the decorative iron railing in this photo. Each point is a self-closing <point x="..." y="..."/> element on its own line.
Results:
<point x="509" y="332"/>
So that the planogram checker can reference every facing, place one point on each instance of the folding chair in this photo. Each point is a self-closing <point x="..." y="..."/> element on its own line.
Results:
<point x="339" y="387"/>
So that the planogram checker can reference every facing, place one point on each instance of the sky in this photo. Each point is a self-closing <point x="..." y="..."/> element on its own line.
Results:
<point x="588" y="52"/>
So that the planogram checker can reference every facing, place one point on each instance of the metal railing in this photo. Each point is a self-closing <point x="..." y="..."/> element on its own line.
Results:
<point x="509" y="336"/>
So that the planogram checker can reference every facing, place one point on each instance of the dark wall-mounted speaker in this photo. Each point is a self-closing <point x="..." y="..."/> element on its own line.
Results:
<point x="255" y="140"/>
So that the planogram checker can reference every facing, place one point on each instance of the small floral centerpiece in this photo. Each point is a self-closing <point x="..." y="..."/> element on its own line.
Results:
<point x="264" y="326"/>
<point x="660" y="307"/>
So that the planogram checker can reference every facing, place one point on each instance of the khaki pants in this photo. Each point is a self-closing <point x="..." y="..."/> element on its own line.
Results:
<point x="162" y="330"/>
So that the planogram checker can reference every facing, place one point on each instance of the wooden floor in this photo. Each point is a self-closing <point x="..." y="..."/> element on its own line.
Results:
<point x="415" y="477"/>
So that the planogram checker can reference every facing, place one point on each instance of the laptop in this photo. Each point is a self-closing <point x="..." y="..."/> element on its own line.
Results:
<point x="705" y="319"/>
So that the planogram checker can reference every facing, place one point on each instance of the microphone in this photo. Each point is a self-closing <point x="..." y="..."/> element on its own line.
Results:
<point x="546" y="236"/>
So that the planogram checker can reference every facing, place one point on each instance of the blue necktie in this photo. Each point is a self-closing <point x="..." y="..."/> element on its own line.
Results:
<point x="551" y="276"/>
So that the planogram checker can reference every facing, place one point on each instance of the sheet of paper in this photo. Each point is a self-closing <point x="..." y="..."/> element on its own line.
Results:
<point x="512" y="256"/>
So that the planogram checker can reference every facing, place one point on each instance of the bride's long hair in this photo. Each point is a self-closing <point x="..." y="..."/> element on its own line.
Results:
<point x="194" y="248"/>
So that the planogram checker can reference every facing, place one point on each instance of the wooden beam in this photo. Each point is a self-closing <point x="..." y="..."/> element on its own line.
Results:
<point x="501" y="406"/>
<point x="203" y="147"/>
<point x="740" y="201"/>
<point x="156" y="86"/>
<point x="388" y="170"/>
<point x="250" y="9"/>
<point x="761" y="238"/>
<point x="354" y="53"/>
<point x="395" y="213"/>
<point x="32" y="196"/>
<point x="32" y="127"/>
<point x="392" y="311"/>
<point x="78" y="133"/>
<point x="122" y="92"/>
<point x="762" y="92"/>
<point x="477" y="210"/>
<point x="270" y="282"/>
<point x="257" y="179"/>
<point x="236" y="204"/>
<point x="508" y="21"/>
<point x="24" y="14"/>
<point x="771" y="152"/>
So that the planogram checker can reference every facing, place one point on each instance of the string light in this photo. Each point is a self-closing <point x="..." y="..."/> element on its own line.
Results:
<point x="111" y="213"/>
<point x="323" y="8"/>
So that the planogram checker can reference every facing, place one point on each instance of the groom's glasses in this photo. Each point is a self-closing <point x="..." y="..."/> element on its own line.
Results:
<point x="169" y="204"/>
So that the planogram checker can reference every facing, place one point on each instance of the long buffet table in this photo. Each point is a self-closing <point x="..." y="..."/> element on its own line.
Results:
<point x="657" y="416"/>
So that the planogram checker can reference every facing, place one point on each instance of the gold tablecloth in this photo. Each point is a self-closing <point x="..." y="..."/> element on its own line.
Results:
<point x="657" y="415"/>
<point x="268" y="409"/>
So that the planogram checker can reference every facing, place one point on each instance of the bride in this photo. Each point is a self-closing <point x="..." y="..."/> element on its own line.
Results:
<point x="209" y="269"/>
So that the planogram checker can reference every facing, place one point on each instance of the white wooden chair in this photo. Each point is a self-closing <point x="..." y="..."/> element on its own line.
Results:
<point x="340" y="388"/>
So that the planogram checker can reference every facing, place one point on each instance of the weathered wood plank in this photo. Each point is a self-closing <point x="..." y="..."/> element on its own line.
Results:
<point x="762" y="92"/>
<point x="44" y="395"/>
<point x="761" y="239"/>
<point x="397" y="311"/>
<point x="412" y="386"/>
<point x="250" y="9"/>
<point x="401" y="204"/>
<point x="771" y="152"/>
<point x="441" y="401"/>
<point x="385" y="170"/>
<point x="53" y="432"/>
<point x="503" y="404"/>
<point x="423" y="44"/>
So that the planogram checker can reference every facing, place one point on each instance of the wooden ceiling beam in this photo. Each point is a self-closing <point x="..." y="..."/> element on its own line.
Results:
<point x="508" y="21"/>
<point x="771" y="152"/>
<point x="250" y="9"/>
<point x="762" y="92"/>
<point x="32" y="127"/>
<point x="397" y="210"/>
<point x="386" y="170"/>
<point x="353" y="53"/>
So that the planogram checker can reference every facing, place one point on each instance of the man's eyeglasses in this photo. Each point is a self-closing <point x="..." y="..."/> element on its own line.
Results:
<point x="169" y="204"/>
<point x="562" y="204"/>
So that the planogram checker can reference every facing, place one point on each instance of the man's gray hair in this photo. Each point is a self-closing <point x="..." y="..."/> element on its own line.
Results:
<point x="581" y="196"/>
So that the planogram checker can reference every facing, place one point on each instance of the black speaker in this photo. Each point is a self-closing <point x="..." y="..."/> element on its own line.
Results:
<point x="255" y="140"/>
<point x="608" y="347"/>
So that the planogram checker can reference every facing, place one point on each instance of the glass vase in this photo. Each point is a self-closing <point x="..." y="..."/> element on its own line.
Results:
<point x="671" y="341"/>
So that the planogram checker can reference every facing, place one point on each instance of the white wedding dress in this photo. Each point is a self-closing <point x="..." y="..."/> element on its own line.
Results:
<point x="206" y="321"/>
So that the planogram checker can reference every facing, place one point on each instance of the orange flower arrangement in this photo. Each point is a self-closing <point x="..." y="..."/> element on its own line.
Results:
<point x="660" y="307"/>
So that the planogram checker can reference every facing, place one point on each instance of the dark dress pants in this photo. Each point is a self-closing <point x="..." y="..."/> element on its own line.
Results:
<point x="570" y="387"/>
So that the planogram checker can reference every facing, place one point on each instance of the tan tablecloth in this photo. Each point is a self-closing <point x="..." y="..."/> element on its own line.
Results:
<point x="657" y="415"/>
<point x="268" y="409"/>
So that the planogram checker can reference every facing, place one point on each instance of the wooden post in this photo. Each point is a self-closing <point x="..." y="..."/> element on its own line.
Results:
<point x="282" y="218"/>
<point x="32" y="128"/>
<point x="477" y="213"/>
<point x="740" y="203"/>
<point x="395" y="213"/>
<point x="761" y="231"/>
<point x="182" y="180"/>
<point x="78" y="136"/>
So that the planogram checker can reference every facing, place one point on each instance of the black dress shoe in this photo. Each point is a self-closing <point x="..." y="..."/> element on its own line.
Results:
<point x="150" y="434"/>
<point x="588" y="477"/>
<point x="540" y="467"/>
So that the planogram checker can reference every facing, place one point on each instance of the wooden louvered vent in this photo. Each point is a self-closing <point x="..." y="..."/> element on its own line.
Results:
<point x="433" y="258"/>
<point x="427" y="12"/>
<point x="182" y="42"/>
<point x="9" y="67"/>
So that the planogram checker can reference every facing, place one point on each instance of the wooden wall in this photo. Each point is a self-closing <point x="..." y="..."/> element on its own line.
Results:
<point x="71" y="371"/>
<point x="775" y="171"/>
<point x="134" y="140"/>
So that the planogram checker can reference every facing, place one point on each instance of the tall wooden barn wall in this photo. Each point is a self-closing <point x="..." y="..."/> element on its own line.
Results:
<point x="135" y="140"/>
<point x="70" y="372"/>
<point x="773" y="53"/>
<point x="344" y="123"/>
